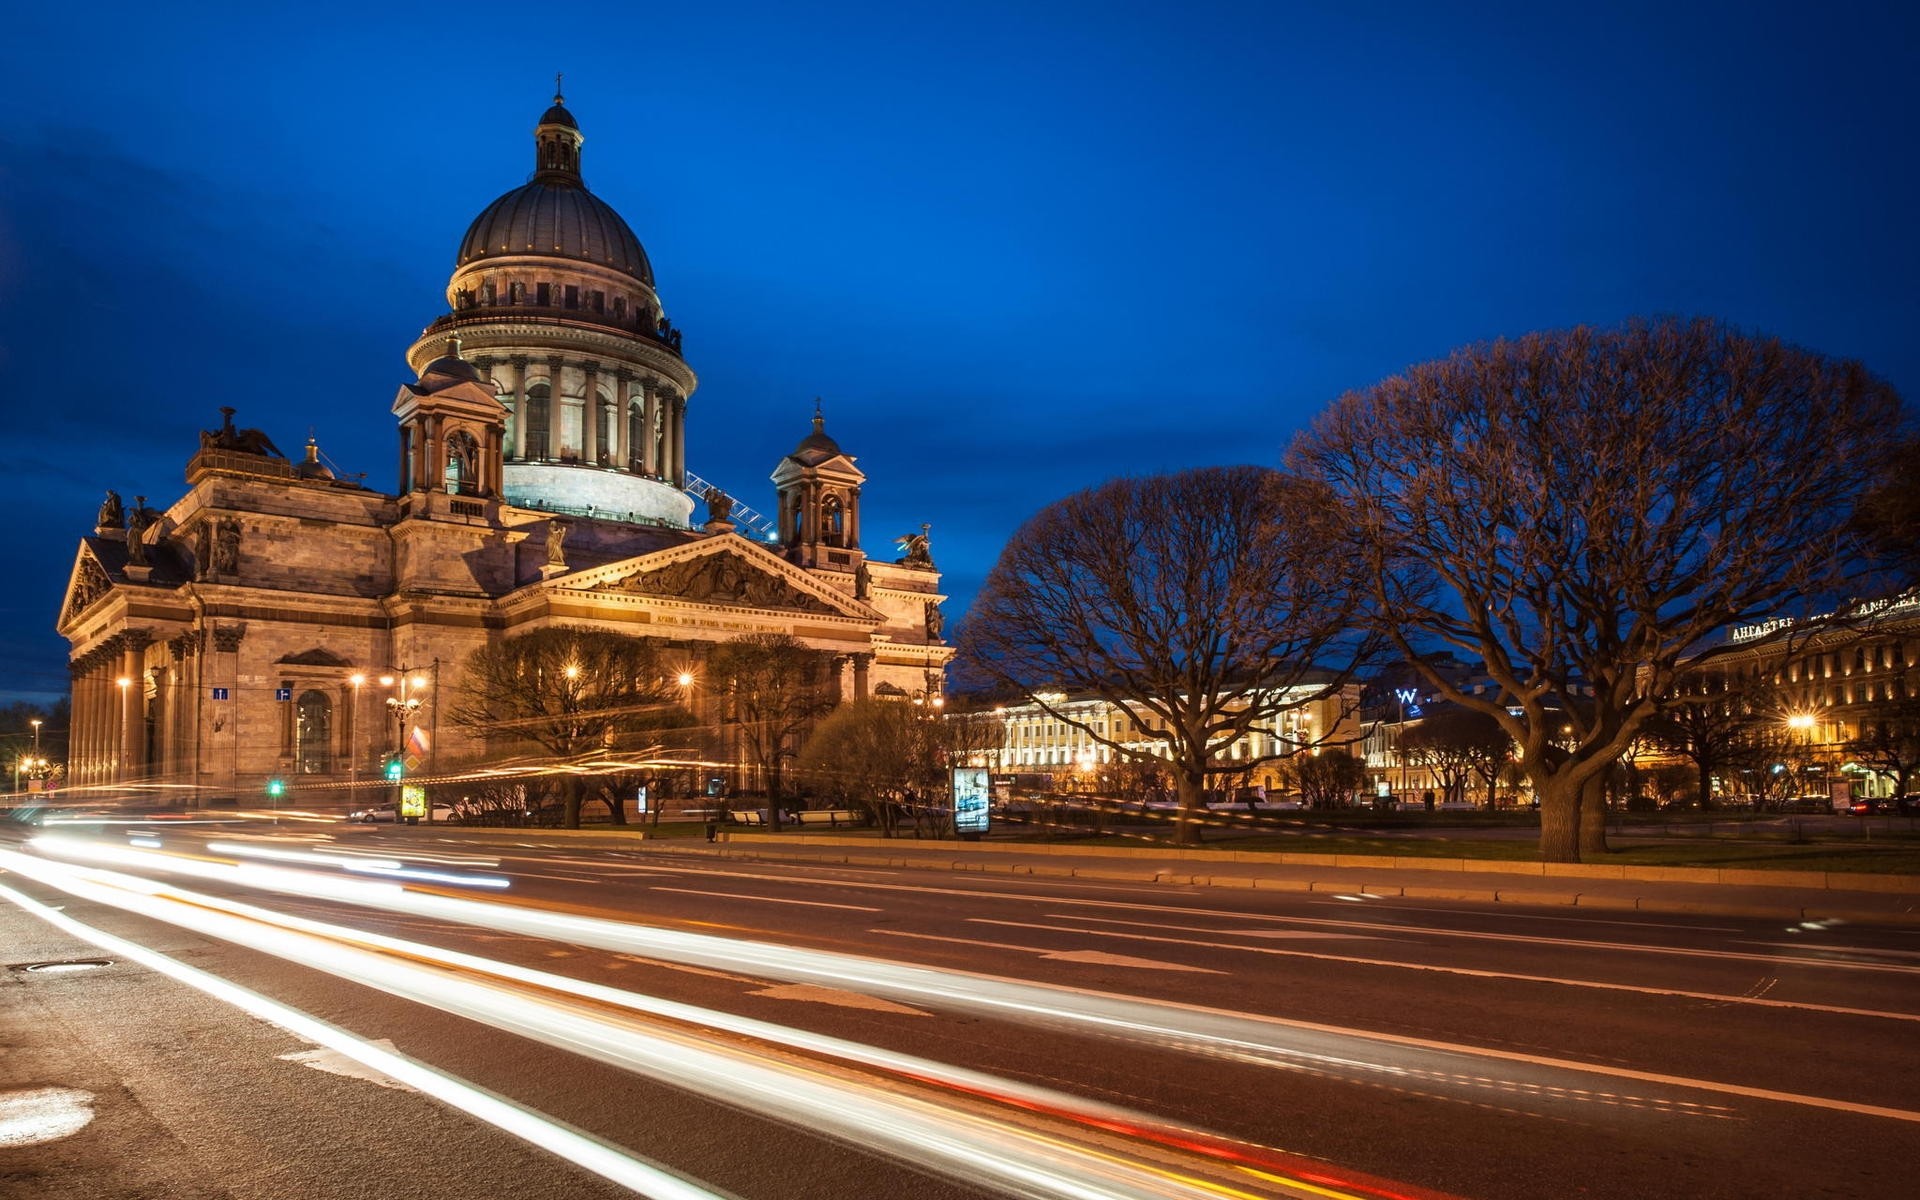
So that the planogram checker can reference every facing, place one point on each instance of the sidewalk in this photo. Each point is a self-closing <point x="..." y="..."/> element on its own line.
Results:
<point x="1764" y="895"/>
<point x="1791" y="896"/>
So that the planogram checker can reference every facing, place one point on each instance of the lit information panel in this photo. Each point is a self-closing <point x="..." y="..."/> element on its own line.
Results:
<point x="970" y="795"/>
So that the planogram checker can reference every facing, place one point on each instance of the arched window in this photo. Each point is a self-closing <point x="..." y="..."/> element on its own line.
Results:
<point x="313" y="734"/>
<point x="636" y="436"/>
<point x="832" y="522"/>
<point x="537" y="421"/>
<point x="463" y="464"/>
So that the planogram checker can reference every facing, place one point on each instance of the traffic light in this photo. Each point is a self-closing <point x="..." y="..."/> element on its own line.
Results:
<point x="396" y="769"/>
<point x="276" y="788"/>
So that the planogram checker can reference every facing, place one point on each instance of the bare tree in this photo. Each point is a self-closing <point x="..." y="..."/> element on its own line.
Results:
<point x="1455" y="744"/>
<point x="1889" y="742"/>
<point x="877" y="756"/>
<point x="1581" y="511"/>
<point x="973" y="738"/>
<point x="1711" y="720"/>
<point x="575" y="692"/>
<point x="1324" y="780"/>
<point x="777" y="687"/>
<point x="1200" y="604"/>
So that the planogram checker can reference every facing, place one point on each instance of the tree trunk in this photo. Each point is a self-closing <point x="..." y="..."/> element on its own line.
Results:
<point x="1192" y="791"/>
<point x="570" y="801"/>
<point x="1706" y="785"/>
<point x="616" y="804"/>
<point x="1593" y="818"/>
<point x="1559" y="819"/>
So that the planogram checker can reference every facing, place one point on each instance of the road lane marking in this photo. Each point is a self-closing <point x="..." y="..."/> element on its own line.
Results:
<point x="809" y="993"/>
<point x="764" y="899"/>
<point x="326" y="1058"/>
<point x="30" y="1116"/>
<point x="1092" y="957"/>
<point x="1468" y="972"/>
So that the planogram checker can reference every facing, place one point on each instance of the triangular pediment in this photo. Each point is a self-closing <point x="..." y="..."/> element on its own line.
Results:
<point x="88" y="582"/>
<point x="316" y="657"/>
<point x="727" y="571"/>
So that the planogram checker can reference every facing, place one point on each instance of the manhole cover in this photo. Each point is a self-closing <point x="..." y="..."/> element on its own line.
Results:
<point x="65" y="964"/>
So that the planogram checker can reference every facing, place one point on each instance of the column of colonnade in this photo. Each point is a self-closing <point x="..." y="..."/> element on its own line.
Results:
<point x="105" y="717"/>
<point x="660" y="451"/>
<point x="133" y="705"/>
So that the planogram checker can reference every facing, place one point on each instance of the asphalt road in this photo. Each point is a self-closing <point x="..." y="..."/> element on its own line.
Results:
<point x="692" y="1026"/>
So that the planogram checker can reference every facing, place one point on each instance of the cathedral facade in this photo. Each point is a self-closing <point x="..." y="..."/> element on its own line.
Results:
<point x="272" y="621"/>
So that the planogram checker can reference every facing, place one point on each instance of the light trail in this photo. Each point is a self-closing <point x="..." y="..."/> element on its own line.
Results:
<point x="590" y="1153"/>
<point x="928" y="1134"/>
<point x="1548" y="1084"/>
<point x="1368" y="927"/>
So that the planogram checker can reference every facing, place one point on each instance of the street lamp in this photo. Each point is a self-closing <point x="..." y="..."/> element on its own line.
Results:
<point x="1803" y="721"/>
<point x="403" y="707"/>
<point x="353" y="732"/>
<point x="124" y="684"/>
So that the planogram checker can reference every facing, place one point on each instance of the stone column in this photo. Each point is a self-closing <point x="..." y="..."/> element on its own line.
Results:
<point x="853" y="518"/>
<point x="519" y="407"/>
<point x="433" y="454"/>
<point x="104" y="721"/>
<point x="79" y="720"/>
<point x="107" y="704"/>
<point x="406" y="459"/>
<point x="679" y="442"/>
<point x="862" y="663"/>
<point x="649" y="426"/>
<point x="623" y="419"/>
<point x="590" y="416"/>
<point x="556" y="410"/>
<point x="133" y="705"/>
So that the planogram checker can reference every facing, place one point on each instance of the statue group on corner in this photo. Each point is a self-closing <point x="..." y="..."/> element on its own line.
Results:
<point x="918" y="547"/>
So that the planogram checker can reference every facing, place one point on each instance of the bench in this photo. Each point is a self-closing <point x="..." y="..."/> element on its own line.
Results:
<point x="832" y="818"/>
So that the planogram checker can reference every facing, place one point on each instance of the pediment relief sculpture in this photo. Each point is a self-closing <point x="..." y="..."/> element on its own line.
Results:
<point x="721" y="579"/>
<point x="90" y="582"/>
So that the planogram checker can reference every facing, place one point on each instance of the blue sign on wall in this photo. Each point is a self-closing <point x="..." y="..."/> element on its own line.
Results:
<point x="283" y="693"/>
<point x="219" y="693"/>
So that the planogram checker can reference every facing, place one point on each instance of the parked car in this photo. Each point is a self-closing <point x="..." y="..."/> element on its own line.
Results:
<point x="1807" y="804"/>
<point x="386" y="812"/>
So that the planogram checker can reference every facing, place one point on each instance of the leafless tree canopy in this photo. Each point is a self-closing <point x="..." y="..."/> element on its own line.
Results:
<point x="776" y="687"/>
<point x="1456" y="744"/>
<point x="1192" y="601"/>
<point x="877" y="756"/>
<point x="568" y="690"/>
<point x="1580" y="509"/>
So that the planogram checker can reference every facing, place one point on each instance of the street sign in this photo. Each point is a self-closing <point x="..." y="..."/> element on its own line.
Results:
<point x="283" y="693"/>
<point x="971" y="789"/>
<point x="219" y="693"/>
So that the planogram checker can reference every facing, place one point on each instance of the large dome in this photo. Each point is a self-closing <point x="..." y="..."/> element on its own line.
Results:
<point x="552" y="217"/>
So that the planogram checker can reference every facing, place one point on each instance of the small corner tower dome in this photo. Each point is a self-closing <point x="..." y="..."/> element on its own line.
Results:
<point x="451" y="368"/>
<point x="818" y="446"/>
<point x="553" y="215"/>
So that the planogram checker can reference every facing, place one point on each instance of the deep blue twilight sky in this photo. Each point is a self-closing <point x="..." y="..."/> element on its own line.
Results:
<point x="1017" y="247"/>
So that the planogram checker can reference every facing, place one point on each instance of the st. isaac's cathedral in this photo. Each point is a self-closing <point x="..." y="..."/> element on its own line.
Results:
<point x="268" y="622"/>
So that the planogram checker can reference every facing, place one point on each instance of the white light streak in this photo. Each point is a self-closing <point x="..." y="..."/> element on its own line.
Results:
<point x="930" y="1134"/>
<point x="602" y="1159"/>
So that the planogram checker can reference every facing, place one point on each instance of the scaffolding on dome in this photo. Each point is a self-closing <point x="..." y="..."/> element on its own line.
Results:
<point x="760" y="524"/>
